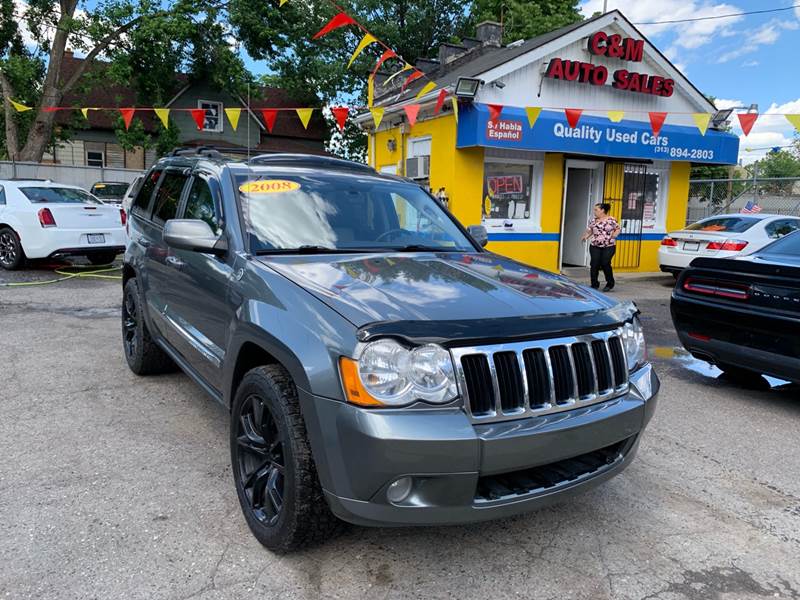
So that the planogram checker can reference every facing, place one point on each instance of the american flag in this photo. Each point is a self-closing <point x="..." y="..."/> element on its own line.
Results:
<point x="751" y="208"/>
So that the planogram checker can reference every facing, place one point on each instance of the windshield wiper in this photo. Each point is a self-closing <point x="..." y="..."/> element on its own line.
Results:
<point x="422" y="248"/>
<point x="312" y="249"/>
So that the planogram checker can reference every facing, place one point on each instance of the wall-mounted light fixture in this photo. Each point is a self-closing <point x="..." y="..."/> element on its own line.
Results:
<point x="467" y="87"/>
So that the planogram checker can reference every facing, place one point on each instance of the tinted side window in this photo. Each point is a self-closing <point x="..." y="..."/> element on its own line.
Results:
<point x="142" y="200"/>
<point x="789" y="244"/>
<point x="2" y="196"/>
<point x="200" y="205"/>
<point x="778" y="229"/>
<point x="168" y="196"/>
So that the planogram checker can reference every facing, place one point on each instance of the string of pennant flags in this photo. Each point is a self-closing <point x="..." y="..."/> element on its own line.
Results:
<point x="342" y="113"/>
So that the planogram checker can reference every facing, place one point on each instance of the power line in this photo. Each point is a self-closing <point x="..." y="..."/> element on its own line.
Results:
<point x="739" y="14"/>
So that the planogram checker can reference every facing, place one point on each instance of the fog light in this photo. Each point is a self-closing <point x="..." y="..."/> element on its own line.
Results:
<point x="399" y="490"/>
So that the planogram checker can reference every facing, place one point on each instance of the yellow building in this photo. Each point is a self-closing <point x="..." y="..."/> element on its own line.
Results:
<point x="533" y="186"/>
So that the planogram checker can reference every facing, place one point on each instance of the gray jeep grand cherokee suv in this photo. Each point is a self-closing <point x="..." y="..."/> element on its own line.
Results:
<point x="379" y="365"/>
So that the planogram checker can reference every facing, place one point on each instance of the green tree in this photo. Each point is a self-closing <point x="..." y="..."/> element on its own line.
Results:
<point x="783" y="163"/>
<point x="315" y="71"/>
<point x="143" y="42"/>
<point x="524" y="19"/>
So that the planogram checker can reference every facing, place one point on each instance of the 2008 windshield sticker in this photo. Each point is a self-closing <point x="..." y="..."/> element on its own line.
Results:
<point x="269" y="186"/>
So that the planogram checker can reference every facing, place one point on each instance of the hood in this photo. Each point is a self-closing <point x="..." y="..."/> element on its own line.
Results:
<point x="373" y="288"/>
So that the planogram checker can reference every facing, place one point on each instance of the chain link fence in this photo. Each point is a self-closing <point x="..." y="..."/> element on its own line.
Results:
<point x="776" y="195"/>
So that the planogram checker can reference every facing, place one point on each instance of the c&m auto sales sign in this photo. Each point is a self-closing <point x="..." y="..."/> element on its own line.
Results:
<point x="612" y="46"/>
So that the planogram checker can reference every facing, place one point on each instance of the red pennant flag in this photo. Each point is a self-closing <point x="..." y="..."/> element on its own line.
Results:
<point x="340" y="20"/>
<point x="494" y="111"/>
<point x="573" y="114"/>
<point x="410" y="78"/>
<point x="49" y="109"/>
<point x="747" y="120"/>
<point x="269" y="114"/>
<point x="340" y="112"/>
<point x="412" y="110"/>
<point x="384" y="57"/>
<point x="656" y="121"/>
<point x="127" y="115"/>
<point x="440" y="101"/>
<point x="199" y="116"/>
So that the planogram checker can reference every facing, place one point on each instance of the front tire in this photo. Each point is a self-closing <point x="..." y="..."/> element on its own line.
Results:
<point x="276" y="479"/>
<point x="12" y="257"/>
<point x="144" y="356"/>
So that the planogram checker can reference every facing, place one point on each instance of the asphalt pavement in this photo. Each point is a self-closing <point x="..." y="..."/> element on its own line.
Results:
<point x="118" y="486"/>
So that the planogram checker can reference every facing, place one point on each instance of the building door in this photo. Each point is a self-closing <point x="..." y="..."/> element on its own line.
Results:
<point x="625" y="190"/>
<point x="581" y="186"/>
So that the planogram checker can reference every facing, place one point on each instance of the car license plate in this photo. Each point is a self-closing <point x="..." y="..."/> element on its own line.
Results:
<point x="691" y="246"/>
<point x="95" y="238"/>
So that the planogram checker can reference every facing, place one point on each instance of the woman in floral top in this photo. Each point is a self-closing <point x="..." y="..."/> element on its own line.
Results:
<point x="603" y="230"/>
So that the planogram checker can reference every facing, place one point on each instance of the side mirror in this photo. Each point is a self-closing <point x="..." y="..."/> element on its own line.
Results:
<point x="194" y="235"/>
<point x="479" y="234"/>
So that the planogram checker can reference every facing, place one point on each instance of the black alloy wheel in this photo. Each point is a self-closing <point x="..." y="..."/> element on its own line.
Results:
<point x="260" y="460"/>
<point x="11" y="254"/>
<point x="130" y="331"/>
<point x="143" y="355"/>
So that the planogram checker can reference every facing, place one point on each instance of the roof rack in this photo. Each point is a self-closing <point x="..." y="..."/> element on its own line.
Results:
<point x="310" y="160"/>
<point x="205" y="151"/>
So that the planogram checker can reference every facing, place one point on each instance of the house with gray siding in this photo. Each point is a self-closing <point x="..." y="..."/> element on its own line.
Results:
<point x="93" y="141"/>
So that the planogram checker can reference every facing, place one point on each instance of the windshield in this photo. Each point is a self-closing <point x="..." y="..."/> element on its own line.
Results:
<point x="109" y="190"/>
<point x="732" y="224"/>
<point x="282" y="213"/>
<point x="57" y="195"/>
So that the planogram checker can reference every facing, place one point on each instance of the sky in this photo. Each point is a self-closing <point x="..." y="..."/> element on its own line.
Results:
<point x="739" y="60"/>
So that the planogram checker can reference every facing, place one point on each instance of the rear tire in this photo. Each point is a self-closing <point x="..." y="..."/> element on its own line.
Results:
<point x="144" y="356"/>
<point x="12" y="256"/>
<point x="276" y="479"/>
<point x="103" y="258"/>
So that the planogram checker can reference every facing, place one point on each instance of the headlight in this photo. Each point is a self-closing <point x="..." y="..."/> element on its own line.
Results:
<point x="633" y="340"/>
<point x="389" y="374"/>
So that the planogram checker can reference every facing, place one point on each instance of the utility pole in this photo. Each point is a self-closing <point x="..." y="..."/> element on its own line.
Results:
<point x="605" y="6"/>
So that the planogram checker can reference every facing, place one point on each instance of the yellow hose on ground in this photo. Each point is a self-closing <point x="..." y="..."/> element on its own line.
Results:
<point x="65" y="275"/>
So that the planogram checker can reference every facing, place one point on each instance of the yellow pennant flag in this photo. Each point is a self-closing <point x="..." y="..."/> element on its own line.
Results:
<point x="233" y="115"/>
<point x="701" y="120"/>
<point x="365" y="41"/>
<point x="163" y="114"/>
<point x="377" y="116"/>
<point x="405" y="68"/>
<point x="282" y="2"/>
<point x="305" y="115"/>
<point x="429" y="87"/>
<point x="794" y="120"/>
<point x="85" y="113"/>
<point x="455" y="107"/>
<point x="615" y="116"/>
<point x="533" y="113"/>
<point x="19" y="107"/>
<point x="370" y="91"/>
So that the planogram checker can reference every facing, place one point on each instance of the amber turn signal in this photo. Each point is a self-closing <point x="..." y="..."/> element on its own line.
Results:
<point x="353" y="388"/>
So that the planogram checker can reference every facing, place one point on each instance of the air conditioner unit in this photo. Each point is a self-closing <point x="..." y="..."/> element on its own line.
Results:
<point x="418" y="167"/>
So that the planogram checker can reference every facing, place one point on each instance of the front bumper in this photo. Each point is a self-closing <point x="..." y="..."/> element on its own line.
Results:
<point x="453" y="463"/>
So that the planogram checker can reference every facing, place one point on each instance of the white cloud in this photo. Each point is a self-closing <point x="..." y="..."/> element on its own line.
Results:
<point x="690" y="35"/>
<point x="722" y="103"/>
<point x="766" y="35"/>
<point x="770" y="130"/>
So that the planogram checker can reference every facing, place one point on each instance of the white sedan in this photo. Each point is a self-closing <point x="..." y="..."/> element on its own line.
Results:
<point x="42" y="219"/>
<point x="722" y="236"/>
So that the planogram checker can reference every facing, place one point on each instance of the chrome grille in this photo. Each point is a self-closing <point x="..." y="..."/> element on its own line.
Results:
<point x="509" y="381"/>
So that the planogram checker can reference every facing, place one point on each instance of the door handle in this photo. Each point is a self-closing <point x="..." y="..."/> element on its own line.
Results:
<point x="144" y="242"/>
<point x="174" y="261"/>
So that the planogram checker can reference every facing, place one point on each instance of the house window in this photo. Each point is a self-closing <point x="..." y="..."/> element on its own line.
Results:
<point x="511" y="193"/>
<point x="213" y="120"/>
<point x="418" y="160"/>
<point x="94" y="158"/>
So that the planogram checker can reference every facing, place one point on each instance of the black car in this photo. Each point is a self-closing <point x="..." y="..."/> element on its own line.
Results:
<point x="743" y="314"/>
